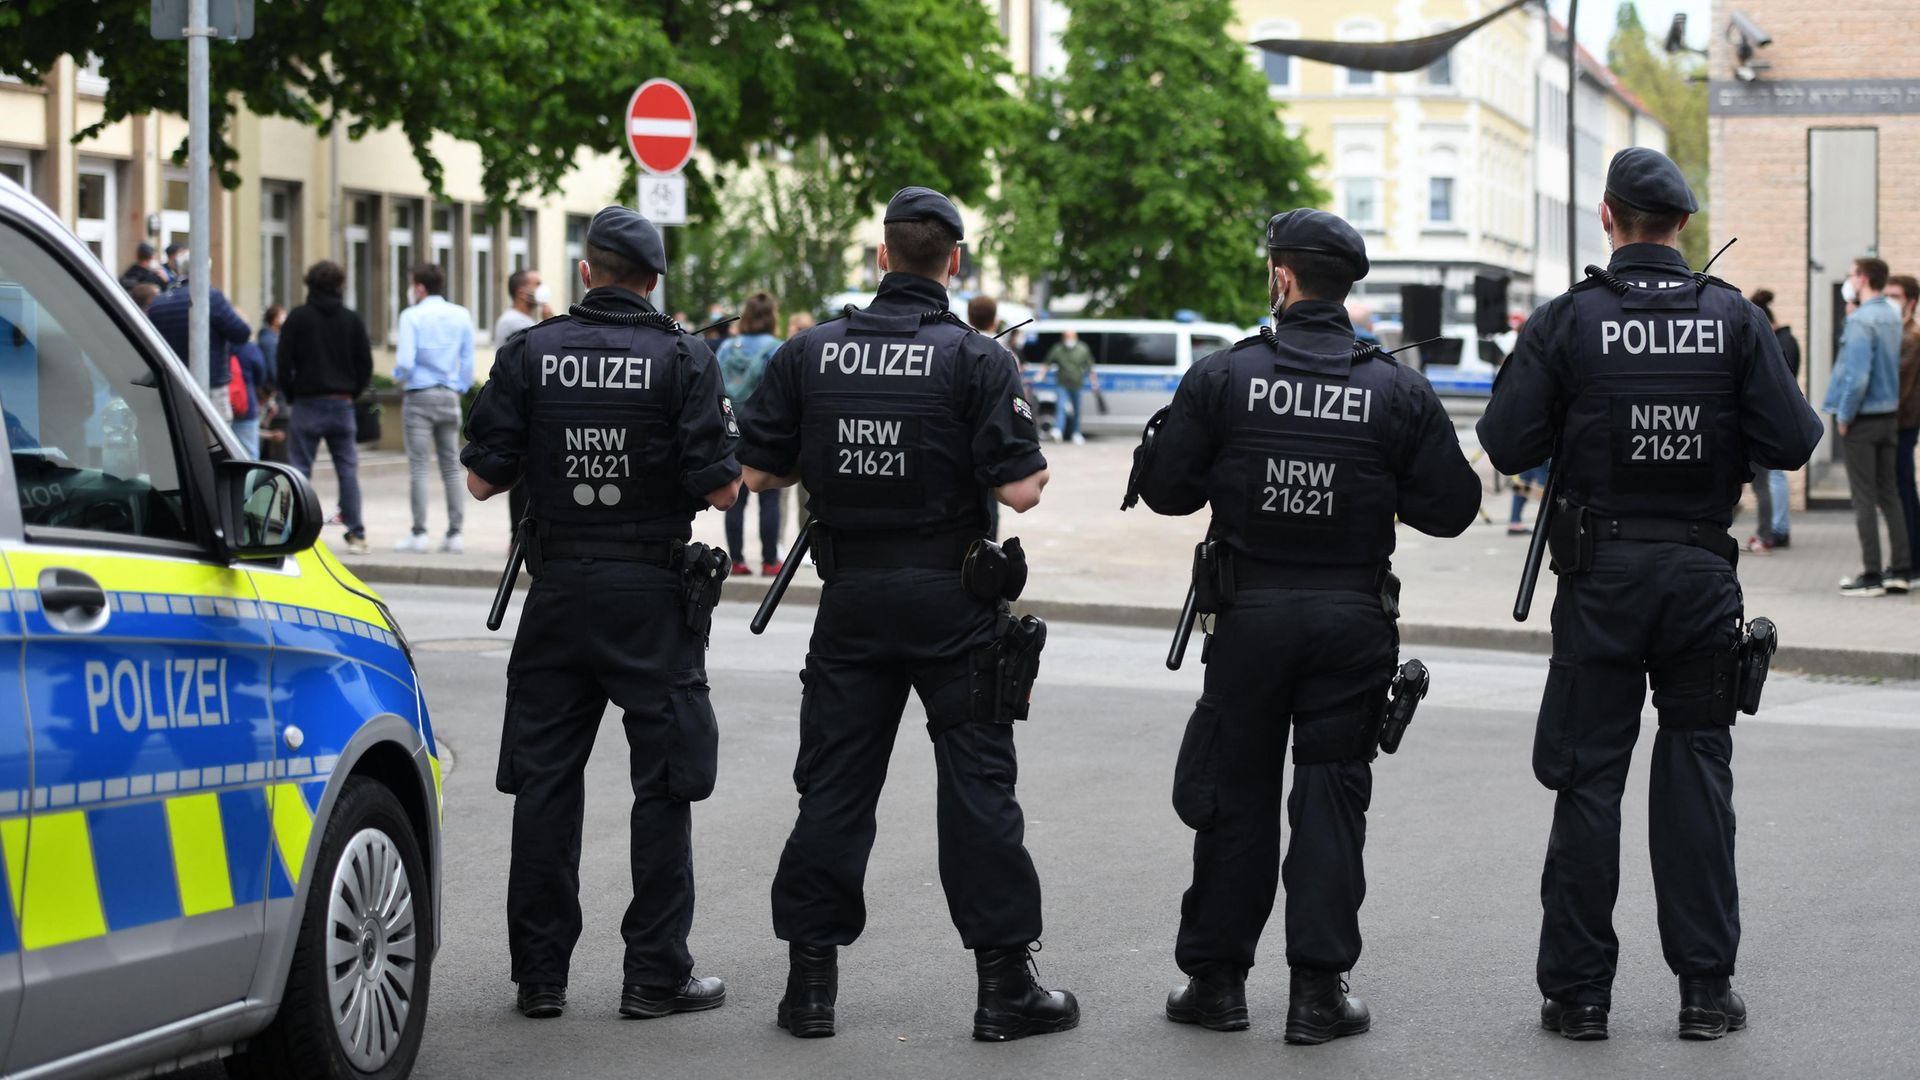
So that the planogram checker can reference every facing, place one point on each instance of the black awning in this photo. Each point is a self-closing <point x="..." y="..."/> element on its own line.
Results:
<point x="1385" y="55"/>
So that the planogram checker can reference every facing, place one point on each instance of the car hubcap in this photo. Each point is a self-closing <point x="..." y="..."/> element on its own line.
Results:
<point x="371" y="941"/>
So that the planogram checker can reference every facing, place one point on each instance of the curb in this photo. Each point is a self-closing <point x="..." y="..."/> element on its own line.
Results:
<point x="1803" y="659"/>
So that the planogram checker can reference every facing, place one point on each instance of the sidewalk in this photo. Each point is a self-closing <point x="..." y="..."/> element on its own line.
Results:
<point x="1092" y="563"/>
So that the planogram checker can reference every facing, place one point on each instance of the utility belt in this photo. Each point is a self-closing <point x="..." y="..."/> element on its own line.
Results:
<point x="891" y="549"/>
<point x="703" y="569"/>
<point x="1218" y="573"/>
<point x="1576" y="529"/>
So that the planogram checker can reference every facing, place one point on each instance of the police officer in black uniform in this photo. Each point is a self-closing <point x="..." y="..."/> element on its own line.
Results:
<point x="613" y="417"/>
<point x="1659" y="387"/>
<point x="1305" y="446"/>
<point x="902" y="422"/>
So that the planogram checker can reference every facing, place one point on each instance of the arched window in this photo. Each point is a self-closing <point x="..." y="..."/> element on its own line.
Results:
<point x="1281" y="70"/>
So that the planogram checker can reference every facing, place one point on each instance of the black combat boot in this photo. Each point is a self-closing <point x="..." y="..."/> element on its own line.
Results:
<point x="540" y="1001"/>
<point x="1218" y="1002"/>
<point x="1709" y="1008"/>
<point x="1581" y="1023"/>
<point x="1012" y="1005"/>
<point x="813" y="980"/>
<point x="653" y="1002"/>
<point x="1319" y="1008"/>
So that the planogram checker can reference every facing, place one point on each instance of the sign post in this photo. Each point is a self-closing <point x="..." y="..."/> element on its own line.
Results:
<point x="661" y="133"/>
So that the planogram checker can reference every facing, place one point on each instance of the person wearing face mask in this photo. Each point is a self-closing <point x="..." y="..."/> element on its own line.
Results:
<point x="1655" y="389"/>
<point x="434" y="366"/>
<point x="532" y="302"/>
<point x="1864" y="397"/>
<point x="1306" y="445"/>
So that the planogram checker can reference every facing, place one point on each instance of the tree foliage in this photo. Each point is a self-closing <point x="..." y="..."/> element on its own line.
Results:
<point x="1674" y="89"/>
<point x="899" y="91"/>
<point x="1144" y="176"/>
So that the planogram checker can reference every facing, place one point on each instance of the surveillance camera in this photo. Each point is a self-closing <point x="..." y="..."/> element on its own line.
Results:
<point x="1744" y="26"/>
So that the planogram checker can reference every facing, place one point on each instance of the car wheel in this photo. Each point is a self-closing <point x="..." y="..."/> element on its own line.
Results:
<point x="356" y="996"/>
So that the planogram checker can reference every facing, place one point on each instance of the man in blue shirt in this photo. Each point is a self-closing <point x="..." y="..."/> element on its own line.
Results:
<point x="226" y="331"/>
<point x="434" y="366"/>
<point x="1864" y="398"/>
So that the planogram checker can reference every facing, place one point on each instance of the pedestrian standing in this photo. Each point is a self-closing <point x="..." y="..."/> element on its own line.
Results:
<point x="1651" y="466"/>
<point x="743" y="360"/>
<point x="433" y="365"/>
<point x="797" y="322"/>
<point x="325" y="361"/>
<point x="1771" y="501"/>
<point x="1303" y="502"/>
<point x="620" y="442"/>
<point x="1072" y="365"/>
<point x="269" y="338"/>
<point x="1863" y="394"/>
<point x="899" y="459"/>
<point x="143" y="271"/>
<point x="983" y="314"/>
<point x="1904" y="291"/>
<point x="530" y="301"/>
<point x="175" y="267"/>
<point x="247" y="390"/>
<point x="226" y="330"/>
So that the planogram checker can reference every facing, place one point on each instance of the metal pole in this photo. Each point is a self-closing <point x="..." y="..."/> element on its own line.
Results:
<point x="1573" y="177"/>
<point x="199" y="35"/>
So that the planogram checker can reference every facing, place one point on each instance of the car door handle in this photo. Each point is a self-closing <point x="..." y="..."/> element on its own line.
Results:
<point x="66" y="590"/>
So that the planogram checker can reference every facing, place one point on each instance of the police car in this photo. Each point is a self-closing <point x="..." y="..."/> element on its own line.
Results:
<point x="1138" y="362"/>
<point x="219" y="789"/>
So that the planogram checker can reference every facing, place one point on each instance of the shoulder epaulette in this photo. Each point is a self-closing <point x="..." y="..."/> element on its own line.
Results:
<point x="1704" y="279"/>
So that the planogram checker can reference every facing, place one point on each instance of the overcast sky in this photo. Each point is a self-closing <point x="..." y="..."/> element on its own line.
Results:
<point x="1596" y="20"/>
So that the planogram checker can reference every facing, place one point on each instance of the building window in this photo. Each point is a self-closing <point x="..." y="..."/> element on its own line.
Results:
<point x="1440" y="200"/>
<point x="1360" y="201"/>
<point x="95" y="199"/>
<point x="17" y="166"/>
<point x="277" y="260"/>
<point x="1440" y="72"/>
<point x="519" y="240"/>
<point x="1279" y="68"/>
<point x="176" y="223"/>
<point x="576" y="251"/>
<point x="358" y="235"/>
<point x="403" y="246"/>
<point x="1353" y="79"/>
<point x="440" y="238"/>
<point x="480" y="267"/>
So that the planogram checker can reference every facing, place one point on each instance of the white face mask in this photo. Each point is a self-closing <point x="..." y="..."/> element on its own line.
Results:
<point x="542" y="295"/>
<point x="1848" y="293"/>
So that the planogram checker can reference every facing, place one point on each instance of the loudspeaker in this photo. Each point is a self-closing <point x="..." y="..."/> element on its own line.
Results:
<point x="1419" y="312"/>
<point x="1490" y="304"/>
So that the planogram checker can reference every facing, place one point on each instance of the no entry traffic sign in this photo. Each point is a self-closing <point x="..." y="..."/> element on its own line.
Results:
<point x="660" y="128"/>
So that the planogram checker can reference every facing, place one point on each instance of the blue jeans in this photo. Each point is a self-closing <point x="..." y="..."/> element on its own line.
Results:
<point x="1067" y="406"/>
<point x="329" y="419"/>
<point x="769" y="526"/>
<point x="1770" y="504"/>
<point x="248" y="432"/>
<point x="1537" y="477"/>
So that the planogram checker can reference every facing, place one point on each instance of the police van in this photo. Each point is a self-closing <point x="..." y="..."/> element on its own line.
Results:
<point x="1138" y="362"/>
<point x="219" y="788"/>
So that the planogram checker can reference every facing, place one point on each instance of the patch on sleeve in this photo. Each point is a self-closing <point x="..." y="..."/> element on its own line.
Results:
<point x="733" y="423"/>
<point x="1025" y="410"/>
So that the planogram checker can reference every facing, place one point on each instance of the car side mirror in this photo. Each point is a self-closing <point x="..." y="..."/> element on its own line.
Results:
<point x="266" y="509"/>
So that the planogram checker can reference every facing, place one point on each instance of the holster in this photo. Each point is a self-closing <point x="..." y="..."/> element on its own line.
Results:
<point x="703" y="570"/>
<point x="1143" y="456"/>
<point x="1213" y="577"/>
<point x="1755" y="658"/>
<point x="1004" y="670"/>
<point x="1570" y="540"/>
<point x="992" y="572"/>
<point x="1409" y="685"/>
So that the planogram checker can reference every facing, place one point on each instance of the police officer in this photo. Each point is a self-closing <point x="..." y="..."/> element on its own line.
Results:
<point x="1305" y="448"/>
<point x="614" y="419"/>
<point x="1659" y="387"/>
<point x="902" y="422"/>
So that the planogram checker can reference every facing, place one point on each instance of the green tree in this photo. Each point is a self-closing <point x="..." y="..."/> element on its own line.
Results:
<point x="1144" y="175"/>
<point x="901" y="91"/>
<point x="805" y="214"/>
<point x="1674" y="89"/>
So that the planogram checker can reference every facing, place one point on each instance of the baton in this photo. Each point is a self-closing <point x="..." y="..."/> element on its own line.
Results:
<point x="1183" y="630"/>
<point x="1537" y="543"/>
<point x="504" y="592"/>
<point x="796" y="555"/>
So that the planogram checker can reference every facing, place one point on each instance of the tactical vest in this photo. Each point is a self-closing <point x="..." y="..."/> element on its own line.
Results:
<point x="884" y="442"/>
<point x="1304" y="477"/>
<point x="602" y="459"/>
<point x="1653" y="428"/>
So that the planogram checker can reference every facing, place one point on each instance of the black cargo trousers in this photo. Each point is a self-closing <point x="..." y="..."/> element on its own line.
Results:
<point x="1316" y="662"/>
<point x="1645" y="611"/>
<point x="879" y="633"/>
<point x="595" y="631"/>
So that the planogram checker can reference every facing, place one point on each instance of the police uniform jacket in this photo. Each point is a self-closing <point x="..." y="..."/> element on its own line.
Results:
<point x="619" y="425"/>
<point x="1307" y="451"/>
<point x="897" y="416"/>
<point x="1666" y="387"/>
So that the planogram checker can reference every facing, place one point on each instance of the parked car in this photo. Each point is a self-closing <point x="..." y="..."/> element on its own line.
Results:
<point x="219" y="787"/>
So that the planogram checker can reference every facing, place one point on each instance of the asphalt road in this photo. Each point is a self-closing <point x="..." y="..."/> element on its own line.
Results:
<point x="1830" y="871"/>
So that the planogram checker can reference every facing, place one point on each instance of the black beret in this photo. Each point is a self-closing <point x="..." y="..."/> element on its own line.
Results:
<point x="1319" y="231"/>
<point x="1649" y="180"/>
<point x="630" y="236"/>
<point x="924" y="204"/>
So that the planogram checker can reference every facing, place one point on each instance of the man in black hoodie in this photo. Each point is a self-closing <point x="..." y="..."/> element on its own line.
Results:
<point x="325" y="361"/>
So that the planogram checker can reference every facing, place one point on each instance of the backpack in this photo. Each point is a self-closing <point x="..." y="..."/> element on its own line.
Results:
<point x="237" y="394"/>
<point x="742" y="370"/>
